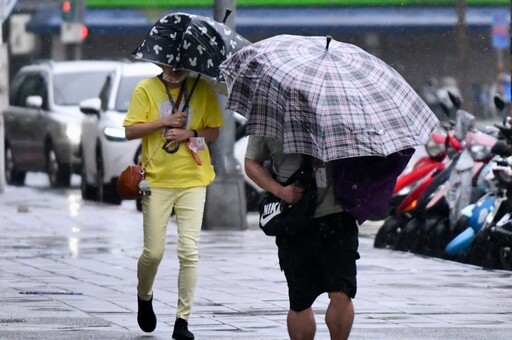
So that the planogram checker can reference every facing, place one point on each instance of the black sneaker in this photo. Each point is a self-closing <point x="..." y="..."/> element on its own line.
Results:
<point x="146" y="316"/>
<point x="181" y="331"/>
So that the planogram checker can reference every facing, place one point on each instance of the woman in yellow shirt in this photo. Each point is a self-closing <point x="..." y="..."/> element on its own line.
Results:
<point x="177" y="176"/>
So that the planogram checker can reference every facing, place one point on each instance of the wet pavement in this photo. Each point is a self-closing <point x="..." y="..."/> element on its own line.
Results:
<point x="68" y="271"/>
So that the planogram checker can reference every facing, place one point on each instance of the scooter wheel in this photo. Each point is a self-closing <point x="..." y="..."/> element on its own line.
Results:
<point x="408" y="237"/>
<point x="438" y="237"/>
<point x="481" y="250"/>
<point x="506" y="258"/>
<point x="424" y="238"/>
<point x="389" y="232"/>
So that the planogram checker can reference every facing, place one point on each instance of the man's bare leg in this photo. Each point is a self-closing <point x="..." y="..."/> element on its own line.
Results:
<point x="339" y="316"/>
<point x="301" y="325"/>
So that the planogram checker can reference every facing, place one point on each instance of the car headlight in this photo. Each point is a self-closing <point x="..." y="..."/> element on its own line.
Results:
<point x="74" y="132"/>
<point x="114" y="134"/>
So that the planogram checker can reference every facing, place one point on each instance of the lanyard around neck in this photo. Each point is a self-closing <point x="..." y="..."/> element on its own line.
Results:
<point x="183" y="91"/>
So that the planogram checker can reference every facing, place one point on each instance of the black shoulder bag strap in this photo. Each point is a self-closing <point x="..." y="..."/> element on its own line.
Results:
<point x="302" y="175"/>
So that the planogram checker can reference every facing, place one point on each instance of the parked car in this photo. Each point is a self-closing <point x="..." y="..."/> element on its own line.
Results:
<point x="43" y="121"/>
<point x="253" y="193"/>
<point x="104" y="150"/>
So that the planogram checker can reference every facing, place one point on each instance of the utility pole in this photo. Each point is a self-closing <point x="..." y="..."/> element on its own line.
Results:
<point x="4" y="99"/>
<point x="225" y="198"/>
<point x="462" y="52"/>
<point x="6" y="7"/>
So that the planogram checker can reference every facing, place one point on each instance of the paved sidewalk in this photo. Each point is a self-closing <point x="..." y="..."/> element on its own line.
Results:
<point x="67" y="271"/>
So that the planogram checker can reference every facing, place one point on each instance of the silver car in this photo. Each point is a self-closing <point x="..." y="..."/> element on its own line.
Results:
<point x="105" y="151"/>
<point x="43" y="121"/>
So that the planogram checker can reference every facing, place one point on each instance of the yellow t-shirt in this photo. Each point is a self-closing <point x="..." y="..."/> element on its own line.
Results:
<point x="178" y="170"/>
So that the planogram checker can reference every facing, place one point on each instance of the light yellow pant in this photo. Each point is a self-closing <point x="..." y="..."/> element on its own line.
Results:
<point x="188" y="206"/>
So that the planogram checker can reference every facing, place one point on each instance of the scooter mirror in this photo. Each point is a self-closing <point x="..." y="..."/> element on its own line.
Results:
<point x="455" y="99"/>
<point x="499" y="102"/>
<point x="445" y="109"/>
<point x="505" y="132"/>
<point x="502" y="149"/>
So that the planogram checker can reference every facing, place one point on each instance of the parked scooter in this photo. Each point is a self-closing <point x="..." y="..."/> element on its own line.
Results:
<point x="434" y="160"/>
<point x="490" y="242"/>
<point x="493" y="243"/>
<point x="472" y="220"/>
<point x="440" y="148"/>
<point x="432" y="231"/>
<point x="473" y="243"/>
<point x="496" y="251"/>
<point x="412" y="203"/>
<point x="432" y="210"/>
<point x="432" y="222"/>
<point x="474" y="216"/>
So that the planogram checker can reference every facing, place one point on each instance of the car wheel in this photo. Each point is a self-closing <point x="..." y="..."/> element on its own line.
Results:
<point x="99" y="177"/>
<point x="105" y="192"/>
<point x="59" y="174"/>
<point x="88" y="191"/>
<point x="13" y="176"/>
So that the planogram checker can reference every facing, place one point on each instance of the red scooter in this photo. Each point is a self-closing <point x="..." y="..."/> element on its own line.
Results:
<point x="434" y="173"/>
<point x="440" y="149"/>
<point x="426" y="176"/>
<point x="423" y="209"/>
<point x="426" y="169"/>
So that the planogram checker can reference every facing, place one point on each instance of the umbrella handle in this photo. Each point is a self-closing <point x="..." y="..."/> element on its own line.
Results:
<point x="191" y="92"/>
<point x="328" y="38"/>
<point x="226" y="15"/>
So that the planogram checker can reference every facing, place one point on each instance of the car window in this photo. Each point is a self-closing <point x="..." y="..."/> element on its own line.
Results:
<point x="125" y="92"/>
<point x="31" y="85"/>
<point x="72" y="88"/>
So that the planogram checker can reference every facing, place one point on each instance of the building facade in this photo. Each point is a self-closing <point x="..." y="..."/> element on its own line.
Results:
<point x="424" y="44"/>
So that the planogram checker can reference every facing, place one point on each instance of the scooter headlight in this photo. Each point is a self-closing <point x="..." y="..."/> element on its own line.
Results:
<point x="434" y="149"/>
<point x="479" y="152"/>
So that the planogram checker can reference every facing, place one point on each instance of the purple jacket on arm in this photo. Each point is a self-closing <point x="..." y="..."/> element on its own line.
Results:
<point x="364" y="185"/>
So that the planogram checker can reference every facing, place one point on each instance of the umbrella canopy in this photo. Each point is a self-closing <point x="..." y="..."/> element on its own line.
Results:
<point x="327" y="99"/>
<point x="191" y="42"/>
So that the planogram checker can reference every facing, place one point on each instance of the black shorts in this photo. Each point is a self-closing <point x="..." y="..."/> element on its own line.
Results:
<point x="322" y="259"/>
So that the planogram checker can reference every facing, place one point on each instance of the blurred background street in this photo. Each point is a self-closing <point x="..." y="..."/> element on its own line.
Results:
<point x="70" y="243"/>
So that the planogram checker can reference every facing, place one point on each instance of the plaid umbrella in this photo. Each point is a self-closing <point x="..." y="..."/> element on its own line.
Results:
<point x="191" y="42"/>
<point x="330" y="100"/>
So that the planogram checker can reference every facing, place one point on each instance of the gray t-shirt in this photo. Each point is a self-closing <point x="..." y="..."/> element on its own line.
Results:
<point x="284" y="165"/>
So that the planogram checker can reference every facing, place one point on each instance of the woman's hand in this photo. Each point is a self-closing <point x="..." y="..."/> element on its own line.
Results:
<point x="176" y="120"/>
<point x="139" y="130"/>
<point x="177" y="135"/>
